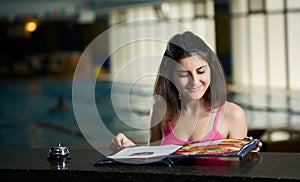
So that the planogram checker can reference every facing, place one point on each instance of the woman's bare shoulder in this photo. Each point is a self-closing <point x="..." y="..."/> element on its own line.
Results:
<point x="234" y="112"/>
<point x="236" y="120"/>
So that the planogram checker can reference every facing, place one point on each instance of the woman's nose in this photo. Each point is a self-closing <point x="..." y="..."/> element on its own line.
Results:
<point x="194" y="79"/>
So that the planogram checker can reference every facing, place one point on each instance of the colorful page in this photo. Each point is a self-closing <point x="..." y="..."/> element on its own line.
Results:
<point x="152" y="154"/>
<point x="224" y="147"/>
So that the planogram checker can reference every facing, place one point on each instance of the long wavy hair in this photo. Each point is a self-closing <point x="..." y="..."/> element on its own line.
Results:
<point x="181" y="46"/>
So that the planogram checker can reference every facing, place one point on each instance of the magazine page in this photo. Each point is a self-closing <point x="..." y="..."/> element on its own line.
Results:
<point x="145" y="152"/>
<point x="223" y="147"/>
<point x="165" y="154"/>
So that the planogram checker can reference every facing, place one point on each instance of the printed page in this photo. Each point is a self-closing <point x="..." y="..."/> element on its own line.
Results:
<point x="217" y="147"/>
<point x="144" y="152"/>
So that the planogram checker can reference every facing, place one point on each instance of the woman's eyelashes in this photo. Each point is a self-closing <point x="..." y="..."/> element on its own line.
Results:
<point x="183" y="74"/>
<point x="201" y="69"/>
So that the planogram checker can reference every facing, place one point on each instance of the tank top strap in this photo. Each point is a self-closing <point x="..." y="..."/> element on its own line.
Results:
<point x="217" y="117"/>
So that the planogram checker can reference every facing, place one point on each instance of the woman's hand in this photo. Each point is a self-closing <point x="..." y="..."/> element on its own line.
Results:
<point x="257" y="148"/>
<point x="121" y="141"/>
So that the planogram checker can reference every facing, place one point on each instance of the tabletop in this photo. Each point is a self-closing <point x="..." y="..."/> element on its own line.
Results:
<point x="32" y="164"/>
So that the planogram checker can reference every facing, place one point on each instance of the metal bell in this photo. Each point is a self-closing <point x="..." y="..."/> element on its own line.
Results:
<point x="59" y="152"/>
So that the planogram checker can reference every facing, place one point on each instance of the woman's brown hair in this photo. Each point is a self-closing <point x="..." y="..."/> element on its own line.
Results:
<point x="181" y="46"/>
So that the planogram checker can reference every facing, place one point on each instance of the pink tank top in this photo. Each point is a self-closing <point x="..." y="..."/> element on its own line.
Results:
<point x="169" y="137"/>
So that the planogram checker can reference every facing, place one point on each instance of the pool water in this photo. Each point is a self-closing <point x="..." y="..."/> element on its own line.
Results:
<point x="26" y="120"/>
<point x="23" y="105"/>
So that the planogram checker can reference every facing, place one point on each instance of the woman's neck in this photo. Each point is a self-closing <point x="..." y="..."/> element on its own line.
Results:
<point x="193" y="106"/>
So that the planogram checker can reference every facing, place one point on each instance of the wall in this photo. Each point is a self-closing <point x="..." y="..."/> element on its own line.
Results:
<point x="265" y="37"/>
<point x="137" y="43"/>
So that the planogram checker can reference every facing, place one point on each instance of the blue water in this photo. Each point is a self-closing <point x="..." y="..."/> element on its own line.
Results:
<point x="25" y="104"/>
<point x="27" y="122"/>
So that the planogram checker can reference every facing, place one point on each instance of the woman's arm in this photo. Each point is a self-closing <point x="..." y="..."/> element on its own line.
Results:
<point x="238" y="127"/>
<point x="155" y="135"/>
<point x="236" y="121"/>
<point x="156" y="116"/>
<point x="154" y="138"/>
<point x="121" y="141"/>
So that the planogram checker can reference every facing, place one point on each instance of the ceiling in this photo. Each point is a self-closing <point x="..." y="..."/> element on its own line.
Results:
<point x="18" y="9"/>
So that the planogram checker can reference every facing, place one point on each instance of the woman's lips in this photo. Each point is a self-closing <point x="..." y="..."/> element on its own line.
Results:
<point x="195" y="89"/>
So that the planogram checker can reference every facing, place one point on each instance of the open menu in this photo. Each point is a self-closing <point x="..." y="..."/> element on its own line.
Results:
<point x="147" y="154"/>
<point x="142" y="152"/>
<point x="222" y="148"/>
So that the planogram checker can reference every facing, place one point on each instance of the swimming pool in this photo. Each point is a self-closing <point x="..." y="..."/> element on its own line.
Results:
<point x="26" y="120"/>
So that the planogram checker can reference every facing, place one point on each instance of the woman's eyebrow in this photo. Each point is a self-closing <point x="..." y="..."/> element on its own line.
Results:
<point x="201" y="67"/>
<point x="182" y="71"/>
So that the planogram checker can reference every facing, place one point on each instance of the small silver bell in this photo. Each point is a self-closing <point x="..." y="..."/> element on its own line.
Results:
<point x="59" y="152"/>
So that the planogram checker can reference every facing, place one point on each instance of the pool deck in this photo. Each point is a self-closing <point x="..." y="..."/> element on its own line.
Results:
<point x="32" y="164"/>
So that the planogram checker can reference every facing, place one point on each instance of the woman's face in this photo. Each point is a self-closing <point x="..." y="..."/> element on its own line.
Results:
<point x="192" y="77"/>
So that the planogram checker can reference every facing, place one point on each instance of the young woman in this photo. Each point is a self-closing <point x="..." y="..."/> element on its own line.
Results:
<point x="190" y="98"/>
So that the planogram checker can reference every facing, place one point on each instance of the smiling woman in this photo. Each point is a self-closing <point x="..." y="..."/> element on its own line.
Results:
<point x="192" y="91"/>
<point x="193" y="77"/>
